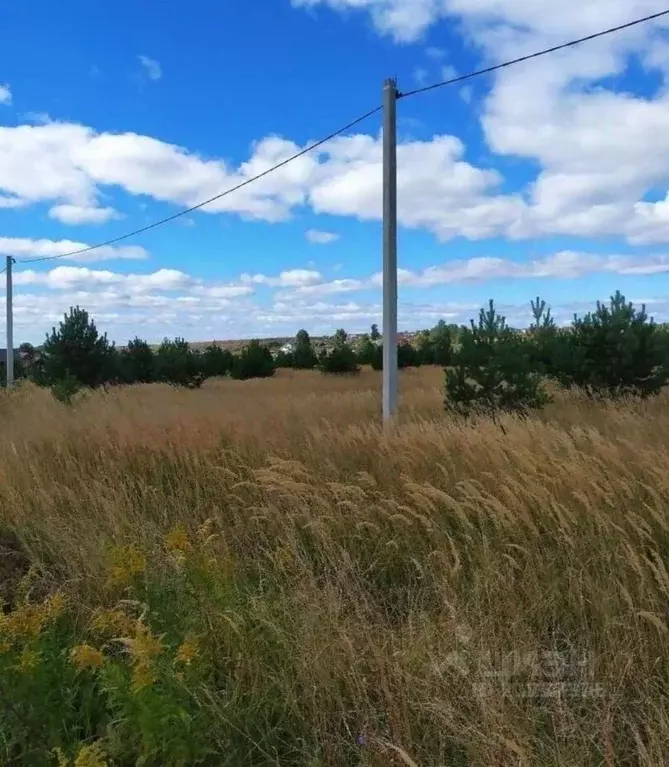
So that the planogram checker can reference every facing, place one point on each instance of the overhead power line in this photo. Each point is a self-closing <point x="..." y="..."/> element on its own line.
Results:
<point x="536" y="55"/>
<point x="202" y="204"/>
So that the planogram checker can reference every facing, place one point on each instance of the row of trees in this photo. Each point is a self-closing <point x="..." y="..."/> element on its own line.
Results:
<point x="76" y="355"/>
<point x="615" y="350"/>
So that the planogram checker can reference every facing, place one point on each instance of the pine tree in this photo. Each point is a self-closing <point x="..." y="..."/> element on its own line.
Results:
<point x="177" y="364"/>
<point x="543" y="339"/>
<point x="491" y="371"/>
<point x="341" y="358"/>
<point x="77" y="351"/>
<point x="255" y="361"/>
<point x="615" y="350"/>
<point x="138" y="364"/>
<point x="216" y="362"/>
<point x="304" y="357"/>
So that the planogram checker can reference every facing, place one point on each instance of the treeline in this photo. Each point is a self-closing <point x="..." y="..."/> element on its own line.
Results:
<point x="76" y="355"/>
<point x="615" y="350"/>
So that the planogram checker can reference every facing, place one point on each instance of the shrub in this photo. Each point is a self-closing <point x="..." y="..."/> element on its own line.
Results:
<point x="341" y="358"/>
<point x="137" y="362"/>
<point x="255" y="361"/>
<point x="492" y="370"/>
<point x="217" y="362"/>
<point x="177" y="364"/>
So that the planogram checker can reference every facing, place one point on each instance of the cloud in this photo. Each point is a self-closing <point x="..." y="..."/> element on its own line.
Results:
<point x="5" y="94"/>
<point x="69" y="164"/>
<point x="318" y="237"/>
<point x="405" y="20"/>
<point x="12" y="202"/>
<point x="293" y="278"/>
<point x="564" y="265"/>
<point x="81" y="214"/>
<point x="152" y="67"/>
<point x="22" y="247"/>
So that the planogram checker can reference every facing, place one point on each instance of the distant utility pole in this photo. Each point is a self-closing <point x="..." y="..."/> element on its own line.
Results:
<point x="389" y="250"/>
<point x="10" y="325"/>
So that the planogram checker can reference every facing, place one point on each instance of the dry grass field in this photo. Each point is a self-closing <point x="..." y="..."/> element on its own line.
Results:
<point x="256" y="574"/>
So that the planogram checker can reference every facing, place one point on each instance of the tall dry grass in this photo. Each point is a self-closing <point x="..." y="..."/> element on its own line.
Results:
<point x="395" y="598"/>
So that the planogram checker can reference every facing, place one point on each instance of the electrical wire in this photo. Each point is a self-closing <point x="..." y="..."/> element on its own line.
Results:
<point x="536" y="55"/>
<point x="345" y="128"/>
<point x="180" y="213"/>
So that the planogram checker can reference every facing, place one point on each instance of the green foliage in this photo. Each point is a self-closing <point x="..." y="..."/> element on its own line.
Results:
<point x="77" y="350"/>
<point x="255" y="361"/>
<point x="66" y="389"/>
<point x="615" y="350"/>
<point x="407" y="357"/>
<point x="217" y="362"/>
<point x="441" y="339"/>
<point x="137" y="362"/>
<point x="341" y="358"/>
<point x="177" y="364"/>
<point x="284" y="359"/>
<point x="304" y="357"/>
<point x="543" y="340"/>
<point x="366" y="351"/>
<point x="435" y="347"/>
<point x="492" y="371"/>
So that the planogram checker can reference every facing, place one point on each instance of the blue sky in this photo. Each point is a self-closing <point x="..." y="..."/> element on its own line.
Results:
<point x="549" y="178"/>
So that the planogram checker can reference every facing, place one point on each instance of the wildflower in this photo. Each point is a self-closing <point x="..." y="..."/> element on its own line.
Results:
<point x="91" y="756"/>
<point x="110" y="623"/>
<point x="186" y="652"/>
<point x="144" y="649"/>
<point x="28" y="620"/>
<point x="63" y="761"/>
<point x="28" y="660"/>
<point x="126" y="563"/>
<point x="177" y="541"/>
<point x="53" y="606"/>
<point x="142" y="676"/>
<point x="84" y="656"/>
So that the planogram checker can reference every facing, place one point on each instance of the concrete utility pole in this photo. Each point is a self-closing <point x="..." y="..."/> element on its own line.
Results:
<point x="389" y="249"/>
<point x="10" y="325"/>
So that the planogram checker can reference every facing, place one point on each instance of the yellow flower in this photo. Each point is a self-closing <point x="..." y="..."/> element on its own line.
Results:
<point x="142" y="676"/>
<point x="28" y="660"/>
<point x="84" y="656"/>
<point x="111" y="623"/>
<point x="28" y="620"/>
<point x="126" y="562"/>
<point x="186" y="652"/>
<point x="54" y="605"/>
<point x="91" y="756"/>
<point x="143" y="648"/>
<point x="177" y="541"/>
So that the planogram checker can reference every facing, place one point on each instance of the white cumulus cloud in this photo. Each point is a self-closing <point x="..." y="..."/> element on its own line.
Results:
<point x="82" y="214"/>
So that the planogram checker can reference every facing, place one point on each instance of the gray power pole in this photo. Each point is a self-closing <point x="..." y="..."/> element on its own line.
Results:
<point x="389" y="249"/>
<point x="10" y="324"/>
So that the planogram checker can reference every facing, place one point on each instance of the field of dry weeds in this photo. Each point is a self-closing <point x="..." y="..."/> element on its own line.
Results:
<point x="255" y="574"/>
